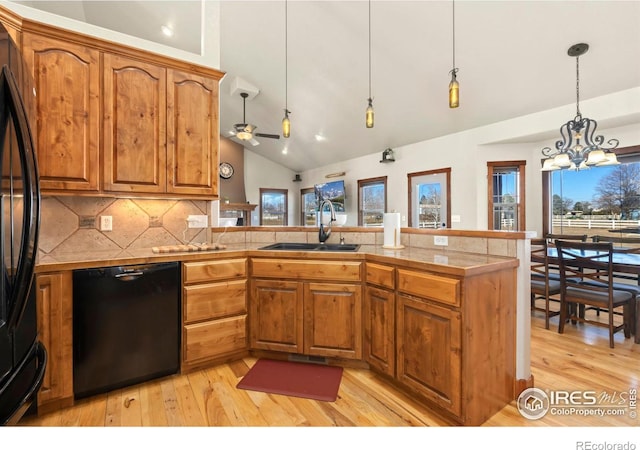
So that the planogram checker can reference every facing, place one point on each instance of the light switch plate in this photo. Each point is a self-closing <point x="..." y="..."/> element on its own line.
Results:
<point x="441" y="240"/>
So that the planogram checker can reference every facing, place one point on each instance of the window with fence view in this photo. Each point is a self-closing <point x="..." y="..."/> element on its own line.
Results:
<point x="601" y="201"/>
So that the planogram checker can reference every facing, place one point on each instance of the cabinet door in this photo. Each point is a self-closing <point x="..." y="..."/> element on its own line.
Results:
<point x="379" y="329"/>
<point x="333" y="320"/>
<point x="135" y="115"/>
<point x="429" y="351"/>
<point x="192" y="134"/>
<point x="55" y="329"/>
<point x="65" y="118"/>
<point x="276" y="315"/>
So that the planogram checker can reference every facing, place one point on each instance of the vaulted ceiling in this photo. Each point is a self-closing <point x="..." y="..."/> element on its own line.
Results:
<point x="512" y="60"/>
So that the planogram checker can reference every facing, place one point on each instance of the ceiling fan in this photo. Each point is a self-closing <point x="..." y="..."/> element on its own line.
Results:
<point x="246" y="131"/>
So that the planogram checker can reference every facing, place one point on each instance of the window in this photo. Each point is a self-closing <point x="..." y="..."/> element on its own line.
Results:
<point x="273" y="207"/>
<point x="372" y="201"/>
<point x="308" y="208"/>
<point x="600" y="201"/>
<point x="430" y="198"/>
<point x="506" y="195"/>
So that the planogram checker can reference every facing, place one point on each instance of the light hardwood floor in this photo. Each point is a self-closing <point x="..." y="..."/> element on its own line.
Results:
<point x="580" y="359"/>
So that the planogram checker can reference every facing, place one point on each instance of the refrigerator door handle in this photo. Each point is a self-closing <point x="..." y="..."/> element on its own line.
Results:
<point x="10" y="93"/>
<point x="39" y="353"/>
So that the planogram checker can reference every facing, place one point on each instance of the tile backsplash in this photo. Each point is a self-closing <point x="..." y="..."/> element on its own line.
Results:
<point x="72" y="224"/>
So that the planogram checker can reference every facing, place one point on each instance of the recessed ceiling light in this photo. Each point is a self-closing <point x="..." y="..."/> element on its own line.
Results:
<point x="166" y="30"/>
<point x="320" y="138"/>
<point x="285" y="151"/>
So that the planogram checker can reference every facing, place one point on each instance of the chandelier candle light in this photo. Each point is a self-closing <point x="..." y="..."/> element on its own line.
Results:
<point x="579" y="148"/>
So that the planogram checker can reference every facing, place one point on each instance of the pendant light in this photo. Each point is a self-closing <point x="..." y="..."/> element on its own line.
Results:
<point x="579" y="147"/>
<point x="286" y="123"/>
<point x="369" y="112"/>
<point x="454" y="87"/>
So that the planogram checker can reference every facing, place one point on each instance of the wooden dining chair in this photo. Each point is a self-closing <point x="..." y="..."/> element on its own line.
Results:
<point x="586" y="278"/>
<point x="542" y="287"/>
<point x="623" y="281"/>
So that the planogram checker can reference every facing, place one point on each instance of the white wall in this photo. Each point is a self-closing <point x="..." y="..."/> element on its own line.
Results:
<point x="260" y="172"/>
<point x="210" y="56"/>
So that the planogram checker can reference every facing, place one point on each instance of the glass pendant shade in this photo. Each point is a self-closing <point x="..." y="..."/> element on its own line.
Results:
<point x="595" y="157"/>
<point x="549" y="165"/>
<point x="369" y="114"/>
<point x="562" y="160"/>
<point x="454" y="91"/>
<point x="286" y="125"/>
<point x="610" y="160"/>
<point x="244" y="135"/>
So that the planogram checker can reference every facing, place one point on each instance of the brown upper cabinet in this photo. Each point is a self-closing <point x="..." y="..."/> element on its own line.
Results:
<point x="111" y="119"/>
<point x="135" y="118"/>
<point x="193" y="137"/>
<point x="65" y="113"/>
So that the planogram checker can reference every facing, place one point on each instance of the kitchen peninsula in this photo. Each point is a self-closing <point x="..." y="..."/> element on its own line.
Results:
<point x="438" y="322"/>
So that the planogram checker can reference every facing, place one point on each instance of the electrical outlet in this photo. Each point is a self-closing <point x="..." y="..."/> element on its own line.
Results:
<point x="106" y="223"/>
<point x="197" y="221"/>
<point x="441" y="240"/>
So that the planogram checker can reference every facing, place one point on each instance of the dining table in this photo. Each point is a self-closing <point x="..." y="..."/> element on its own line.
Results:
<point x="624" y="263"/>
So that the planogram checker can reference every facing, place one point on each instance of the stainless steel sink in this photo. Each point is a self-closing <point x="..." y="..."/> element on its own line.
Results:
<point x="312" y="247"/>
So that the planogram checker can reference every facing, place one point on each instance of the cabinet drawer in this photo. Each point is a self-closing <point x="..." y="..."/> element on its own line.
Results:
<point x="380" y="275"/>
<point x="441" y="289"/>
<point x="214" y="300"/>
<point x="196" y="272"/>
<point x="306" y="270"/>
<point x="214" y="338"/>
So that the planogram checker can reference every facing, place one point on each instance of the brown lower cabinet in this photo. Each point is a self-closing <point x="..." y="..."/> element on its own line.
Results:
<point x="430" y="351"/>
<point x="214" y="311"/>
<point x="321" y="316"/>
<point x="379" y="318"/>
<point x="54" y="305"/>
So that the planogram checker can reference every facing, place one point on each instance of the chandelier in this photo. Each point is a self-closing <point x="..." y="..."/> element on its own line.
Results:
<point x="579" y="148"/>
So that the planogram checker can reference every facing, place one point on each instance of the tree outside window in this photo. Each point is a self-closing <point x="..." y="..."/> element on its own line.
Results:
<point x="601" y="201"/>
<point x="372" y="201"/>
<point x="273" y="207"/>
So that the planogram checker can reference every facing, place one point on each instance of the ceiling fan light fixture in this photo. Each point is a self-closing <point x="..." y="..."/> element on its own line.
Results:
<point x="244" y="135"/>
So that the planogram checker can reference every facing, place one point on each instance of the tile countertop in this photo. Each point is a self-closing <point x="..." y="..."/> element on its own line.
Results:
<point x="443" y="261"/>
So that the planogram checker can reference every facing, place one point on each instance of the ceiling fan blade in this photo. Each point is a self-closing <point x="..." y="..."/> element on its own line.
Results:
<point x="270" y="136"/>
<point x="254" y="142"/>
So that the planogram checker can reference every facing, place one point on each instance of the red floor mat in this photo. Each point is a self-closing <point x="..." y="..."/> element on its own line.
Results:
<point x="304" y="380"/>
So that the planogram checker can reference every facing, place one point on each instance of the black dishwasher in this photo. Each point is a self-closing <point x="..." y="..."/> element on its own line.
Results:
<point x="126" y="326"/>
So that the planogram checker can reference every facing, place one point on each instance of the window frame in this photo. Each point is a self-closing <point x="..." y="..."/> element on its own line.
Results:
<point x="303" y="192"/>
<point x="491" y="168"/>
<point x="284" y="192"/>
<point x="447" y="172"/>
<point x="370" y="182"/>
<point x="546" y="187"/>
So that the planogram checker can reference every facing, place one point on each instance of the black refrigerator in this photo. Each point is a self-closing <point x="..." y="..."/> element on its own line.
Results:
<point x="23" y="358"/>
